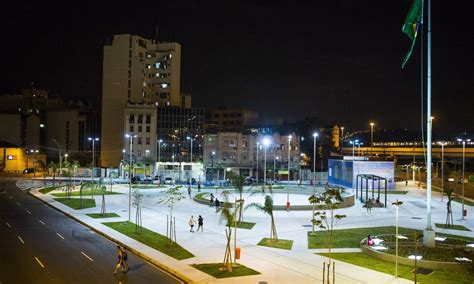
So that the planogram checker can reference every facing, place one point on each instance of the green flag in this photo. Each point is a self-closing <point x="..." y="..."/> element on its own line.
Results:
<point x="411" y="25"/>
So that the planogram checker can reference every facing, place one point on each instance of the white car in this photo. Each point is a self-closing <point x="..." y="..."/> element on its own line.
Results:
<point x="168" y="180"/>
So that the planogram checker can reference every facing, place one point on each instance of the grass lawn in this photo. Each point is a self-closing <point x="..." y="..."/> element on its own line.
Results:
<point x="436" y="277"/>
<point x="391" y="192"/>
<point x="244" y="225"/>
<point x="75" y="203"/>
<point x="86" y="192"/>
<point x="151" y="239"/>
<point x="467" y="202"/>
<point x="350" y="238"/>
<point x="452" y="227"/>
<point x="99" y="215"/>
<point x="215" y="269"/>
<point x="280" y="244"/>
<point x="47" y="190"/>
<point x="147" y="186"/>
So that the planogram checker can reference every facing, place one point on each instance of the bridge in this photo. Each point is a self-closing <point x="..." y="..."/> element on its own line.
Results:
<point x="409" y="151"/>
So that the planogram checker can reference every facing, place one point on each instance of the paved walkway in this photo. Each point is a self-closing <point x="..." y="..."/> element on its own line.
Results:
<point x="300" y="265"/>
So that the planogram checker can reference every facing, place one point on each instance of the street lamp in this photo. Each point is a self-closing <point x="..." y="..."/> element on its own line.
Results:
<point x="371" y="136"/>
<point x="288" y="187"/>
<point x="266" y="143"/>
<point x="191" y="139"/>
<point x="159" y="155"/>
<point x="274" y="164"/>
<point x="258" y="146"/>
<point x="397" y="205"/>
<point x="60" y="157"/>
<point x="315" y="136"/>
<point x="65" y="157"/>
<point x="93" y="154"/>
<point x="463" y="167"/>
<point x="354" y="143"/>
<point x="442" y="169"/>
<point x="213" y="155"/>
<point x="130" y="174"/>
<point x="342" y="137"/>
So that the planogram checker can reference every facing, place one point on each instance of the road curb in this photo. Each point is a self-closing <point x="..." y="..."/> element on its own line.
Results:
<point x="167" y="269"/>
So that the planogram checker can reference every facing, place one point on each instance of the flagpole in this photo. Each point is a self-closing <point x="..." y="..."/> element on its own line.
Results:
<point x="429" y="233"/>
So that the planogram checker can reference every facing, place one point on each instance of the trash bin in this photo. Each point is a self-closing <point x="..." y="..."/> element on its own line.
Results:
<point x="464" y="214"/>
<point x="237" y="253"/>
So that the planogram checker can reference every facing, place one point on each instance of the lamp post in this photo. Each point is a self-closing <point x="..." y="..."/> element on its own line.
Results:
<point x="60" y="157"/>
<point x="274" y="166"/>
<point x="358" y="145"/>
<point x="315" y="135"/>
<point x="93" y="154"/>
<point x="130" y="174"/>
<point x="288" y="187"/>
<point x="342" y="137"/>
<point x="442" y="169"/>
<point x="371" y="136"/>
<point x="213" y="154"/>
<point x="397" y="204"/>
<point x="463" y="167"/>
<point x="159" y="157"/>
<point x="258" y="147"/>
<point x="266" y="143"/>
<point x="191" y="139"/>
<point x="353" y="143"/>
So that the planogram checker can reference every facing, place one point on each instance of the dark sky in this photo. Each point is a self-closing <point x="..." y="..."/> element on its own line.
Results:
<point x="339" y="60"/>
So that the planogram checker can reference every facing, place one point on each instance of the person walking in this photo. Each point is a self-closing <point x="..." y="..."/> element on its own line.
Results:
<point x="191" y="224"/>
<point x="218" y="203"/>
<point x="212" y="200"/>
<point x="199" y="186"/>
<point x="189" y="191"/>
<point x="200" y="224"/>
<point x="124" y="259"/>
<point x="120" y="260"/>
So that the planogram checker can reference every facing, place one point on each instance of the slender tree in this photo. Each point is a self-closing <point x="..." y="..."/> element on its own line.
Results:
<point x="238" y="182"/>
<point x="53" y="166"/>
<point x="326" y="217"/>
<point x="228" y="215"/>
<point x="137" y="202"/>
<point x="267" y="208"/>
<point x="171" y="196"/>
<point x="44" y="168"/>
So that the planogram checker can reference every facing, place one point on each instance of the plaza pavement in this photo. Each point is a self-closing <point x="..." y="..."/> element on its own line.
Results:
<point x="300" y="265"/>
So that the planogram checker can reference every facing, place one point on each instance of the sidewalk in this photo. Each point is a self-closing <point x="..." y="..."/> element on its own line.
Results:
<point x="299" y="265"/>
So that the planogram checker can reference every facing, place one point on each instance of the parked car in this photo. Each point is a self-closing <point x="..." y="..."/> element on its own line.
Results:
<point x="29" y="171"/>
<point x="168" y="180"/>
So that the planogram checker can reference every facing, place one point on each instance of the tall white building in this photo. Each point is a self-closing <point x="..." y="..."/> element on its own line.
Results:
<point x="135" y="70"/>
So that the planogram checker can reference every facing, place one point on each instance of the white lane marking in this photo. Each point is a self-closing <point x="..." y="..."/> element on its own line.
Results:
<point x="42" y="222"/>
<point x="18" y="203"/>
<point x="60" y="236"/>
<point x="8" y="225"/>
<point x="87" y="256"/>
<point x="28" y="211"/>
<point x="21" y="240"/>
<point x="39" y="262"/>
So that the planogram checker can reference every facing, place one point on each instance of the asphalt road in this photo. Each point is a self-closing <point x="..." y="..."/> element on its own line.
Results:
<point x="40" y="245"/>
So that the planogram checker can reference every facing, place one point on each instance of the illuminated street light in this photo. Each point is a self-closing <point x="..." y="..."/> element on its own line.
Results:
<point x="371" y="136"/>
<point x="130" y="174"/>
<point x="315" y="135"/>
<point x="397" y="205"/>
<point x="266" y="143"/>
<point x="288" y="187"/>
<point x="463" y="167"/>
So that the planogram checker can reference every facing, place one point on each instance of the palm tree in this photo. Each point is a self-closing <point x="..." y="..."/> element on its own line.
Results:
<point x="238" y="182"/>
<point x="229" y="216"/>
<point x="54" y="167"/>
<point x="267" y="208"/>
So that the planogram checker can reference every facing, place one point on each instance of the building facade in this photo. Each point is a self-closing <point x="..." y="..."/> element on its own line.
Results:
<point x="135" y="70"/>
<point x="245" y="154"/>
<point x="140" y="120"/>
<point x="231" y="119"/>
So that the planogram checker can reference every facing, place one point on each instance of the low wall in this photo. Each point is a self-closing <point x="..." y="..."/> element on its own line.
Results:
<point x="454" y="266"/>
<point x="348" y="201"/>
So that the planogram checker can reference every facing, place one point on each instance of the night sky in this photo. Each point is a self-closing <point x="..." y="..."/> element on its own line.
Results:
<point x="338" y="60"/>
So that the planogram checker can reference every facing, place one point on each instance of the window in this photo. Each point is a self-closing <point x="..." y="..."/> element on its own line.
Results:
<point x="148" y="128"/>
<point x="140" y="128"/>
<point x="139" y="139"/>
<point x="129" y="84"/>
<point x="129" y="74"/>
<point x="131" y="119"/>
<point x="147" y="140"/>
<point x="130" y="64"/>
<point x="139" y="153"/>
<point x="163" y="95"/>
<point x="226" y="115"/>
<point x="131" y="128"/>
<point x="140" y="119"/>
<point x="216" y="115"/>
<point x="232" y="115"/>
<point x="157" y="65"/>
<point x="148" y="119"/>
<point x="129" y="94"/>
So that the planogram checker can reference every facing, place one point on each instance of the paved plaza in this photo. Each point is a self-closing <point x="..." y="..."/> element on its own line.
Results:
<point x="298" y="265"/>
